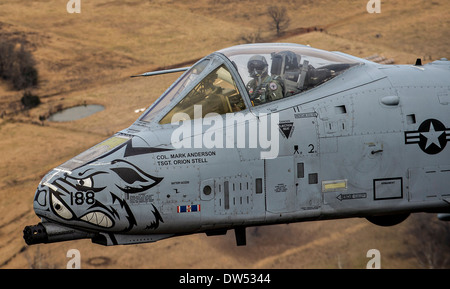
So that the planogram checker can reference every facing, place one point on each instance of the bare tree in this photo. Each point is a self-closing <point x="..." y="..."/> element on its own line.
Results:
<point x="280" y="19"/>
<point x="17" y="64"/>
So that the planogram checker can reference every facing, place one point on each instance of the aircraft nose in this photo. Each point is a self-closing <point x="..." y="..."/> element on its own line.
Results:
<point x="50" y="205"/>
<point x="73" y="198"/>
<point x="51" y="198"/>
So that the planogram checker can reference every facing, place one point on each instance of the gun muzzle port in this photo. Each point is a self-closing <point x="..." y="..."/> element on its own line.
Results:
<point x="35" y="234"/>
<point x="49" y="233"/>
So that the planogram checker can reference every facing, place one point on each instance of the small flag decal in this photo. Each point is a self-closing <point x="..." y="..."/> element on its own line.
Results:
<point x="188" y="208"/>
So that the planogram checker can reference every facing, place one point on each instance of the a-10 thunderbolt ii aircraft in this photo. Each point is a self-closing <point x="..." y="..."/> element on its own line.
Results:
<point x="261" y="134"/>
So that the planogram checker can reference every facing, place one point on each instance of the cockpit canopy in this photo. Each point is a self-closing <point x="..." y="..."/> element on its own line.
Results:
<point x="245" y="76"/>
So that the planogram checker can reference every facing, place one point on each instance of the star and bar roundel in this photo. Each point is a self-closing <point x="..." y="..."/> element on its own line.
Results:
<point x="432" y="136"/>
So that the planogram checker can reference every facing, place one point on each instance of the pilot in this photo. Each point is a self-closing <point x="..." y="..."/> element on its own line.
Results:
<point x="262" y="88"/>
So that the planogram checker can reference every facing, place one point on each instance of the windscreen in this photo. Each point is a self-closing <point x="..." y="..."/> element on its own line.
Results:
<point x="215" y="94"/>
<point x="165" y="99"/>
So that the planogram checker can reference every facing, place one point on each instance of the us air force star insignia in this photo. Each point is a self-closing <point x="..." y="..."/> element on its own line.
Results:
<point x="432" y="136"/>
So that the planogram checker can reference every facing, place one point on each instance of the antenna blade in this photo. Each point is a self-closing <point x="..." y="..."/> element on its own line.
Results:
<point x="159" y="72"/>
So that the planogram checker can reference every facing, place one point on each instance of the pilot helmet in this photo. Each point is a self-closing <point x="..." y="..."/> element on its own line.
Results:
<point x="257" y="66"/>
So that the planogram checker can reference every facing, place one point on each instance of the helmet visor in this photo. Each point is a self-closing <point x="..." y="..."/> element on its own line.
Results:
<point x="256" y="64"/>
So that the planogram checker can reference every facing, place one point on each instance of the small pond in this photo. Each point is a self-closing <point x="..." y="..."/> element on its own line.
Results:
<point x="77" y="112"/>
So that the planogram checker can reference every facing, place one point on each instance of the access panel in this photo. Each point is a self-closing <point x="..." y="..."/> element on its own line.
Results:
<point x="279" y="183"/>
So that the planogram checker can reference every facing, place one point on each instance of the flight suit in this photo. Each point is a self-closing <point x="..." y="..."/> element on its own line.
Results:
<point x="269" y="89"/>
